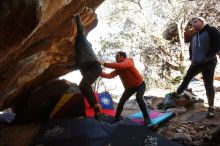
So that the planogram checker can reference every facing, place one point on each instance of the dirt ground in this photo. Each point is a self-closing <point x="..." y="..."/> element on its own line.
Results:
<point x="18" y="135"/>
<point x="23" y="134"/>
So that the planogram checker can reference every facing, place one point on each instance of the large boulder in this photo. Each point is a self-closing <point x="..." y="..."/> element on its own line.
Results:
<point x="37" y="41"/>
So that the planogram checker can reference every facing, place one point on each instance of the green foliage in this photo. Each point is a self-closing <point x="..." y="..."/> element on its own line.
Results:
<point x="182" y="69"/>
<point x="177" y="80"/>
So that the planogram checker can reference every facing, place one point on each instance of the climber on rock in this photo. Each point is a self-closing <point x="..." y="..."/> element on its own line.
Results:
<point x="88" y="65"/>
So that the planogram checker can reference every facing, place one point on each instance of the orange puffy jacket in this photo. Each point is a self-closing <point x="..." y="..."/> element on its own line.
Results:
<point x="127" y="72"/>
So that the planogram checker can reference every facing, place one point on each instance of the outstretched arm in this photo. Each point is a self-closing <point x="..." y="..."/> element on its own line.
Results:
<point x="80" y="27"/>
<point x="109" y="75"/>
<point x="119" y="65"/>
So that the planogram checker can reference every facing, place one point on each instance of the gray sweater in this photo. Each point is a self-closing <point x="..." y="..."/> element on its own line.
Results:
<point x="204" y="45"/>
<point x="200" y="45"/>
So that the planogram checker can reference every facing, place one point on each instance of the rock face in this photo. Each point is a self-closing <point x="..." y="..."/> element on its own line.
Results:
<point x="37" y="41"/>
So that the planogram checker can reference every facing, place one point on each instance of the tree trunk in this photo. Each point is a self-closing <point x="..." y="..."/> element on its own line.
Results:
<point x="180" y="29"/>
<point x="181" y="38"/>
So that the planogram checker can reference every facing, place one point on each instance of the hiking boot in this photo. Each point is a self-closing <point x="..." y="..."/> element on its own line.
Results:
<point x="189" y="93"/>
<point x="210" y="113"/>
<point x="97" y="110"/>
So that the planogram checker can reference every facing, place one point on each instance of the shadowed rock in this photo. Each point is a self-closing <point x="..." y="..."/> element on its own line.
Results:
<point x="37" y="42"/>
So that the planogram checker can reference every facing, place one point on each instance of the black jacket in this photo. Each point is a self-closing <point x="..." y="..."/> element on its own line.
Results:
<point x="85" y="55"/>
<point x="214" y="36"/>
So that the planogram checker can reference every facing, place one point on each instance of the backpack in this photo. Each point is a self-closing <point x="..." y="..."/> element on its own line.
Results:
<point x="168" y="102"/>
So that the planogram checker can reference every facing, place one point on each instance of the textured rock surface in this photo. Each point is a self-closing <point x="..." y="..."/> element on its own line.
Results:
<point x="37" y="40"/>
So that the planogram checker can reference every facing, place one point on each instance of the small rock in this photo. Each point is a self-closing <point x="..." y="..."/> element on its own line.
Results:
<point x="179" y="130"/>
<point x="199" y="107"/>
<point x="199" y="136"/>
<point x="193" y="132"/>
<point x="194" y="143"/>
<point x="171" y="127"/>
<point x="190" y="122"/>
<point x="193" y="137"/>
<point x="182" y="137"/>
<point x="201" y="127"/>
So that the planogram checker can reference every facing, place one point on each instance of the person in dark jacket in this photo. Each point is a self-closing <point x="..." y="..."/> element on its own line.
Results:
<point x="132" y="81"/>
<point x="88" y="65"/>
<point x="204" y="46"/>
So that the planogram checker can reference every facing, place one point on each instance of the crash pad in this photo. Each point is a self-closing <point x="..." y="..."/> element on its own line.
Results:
<point x="91" y="132"/>
<point x="71" y="132"/>
<point x="155" y="117"/>
<point x="137" y="135"/>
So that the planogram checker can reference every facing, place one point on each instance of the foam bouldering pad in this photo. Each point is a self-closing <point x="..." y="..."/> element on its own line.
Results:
<point x="155" y="117"/>
<point x="91" y="132"/>
<point x="128" y="134"/>
<point x="69" y="132"/>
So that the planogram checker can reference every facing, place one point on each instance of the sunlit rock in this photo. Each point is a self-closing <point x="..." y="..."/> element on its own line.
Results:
<point x="37" y="41"/>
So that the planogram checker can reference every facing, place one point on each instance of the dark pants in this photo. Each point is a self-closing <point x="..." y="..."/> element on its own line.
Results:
<point x="207" y="70"/>
<point x="90" y="74"/>
<point x="139" y="97"/>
